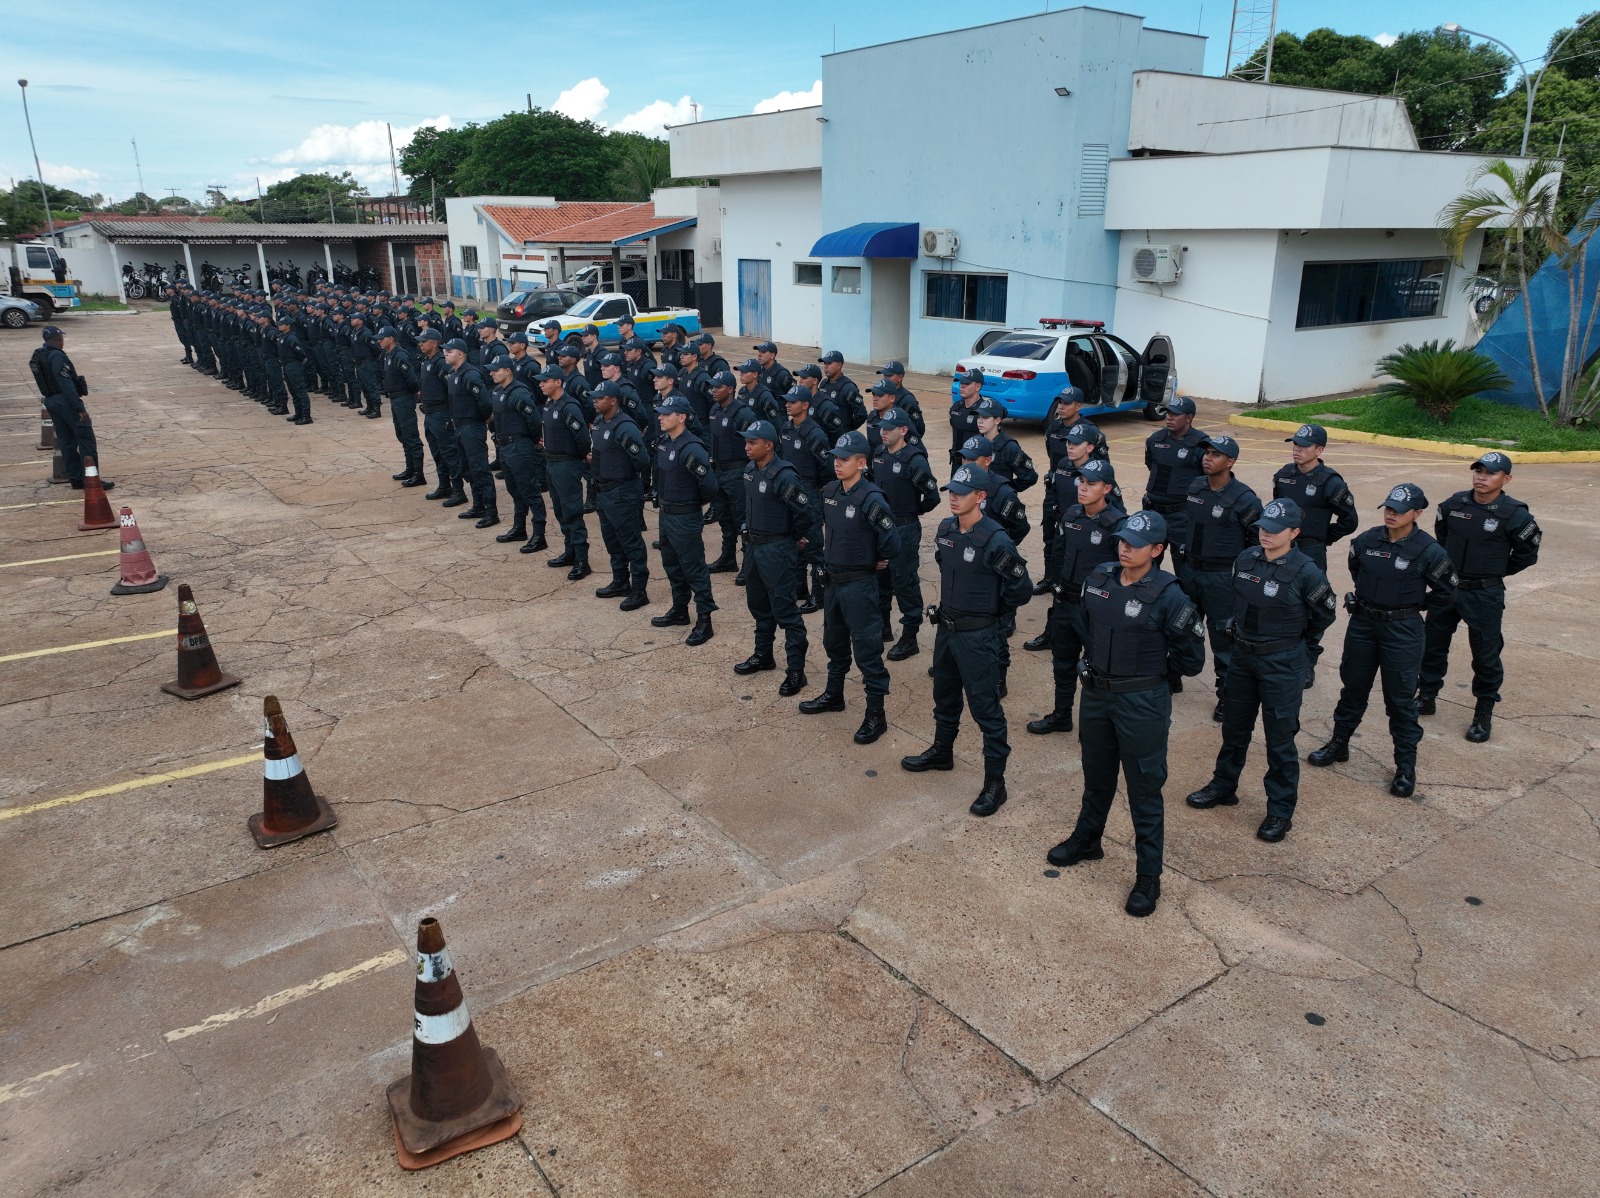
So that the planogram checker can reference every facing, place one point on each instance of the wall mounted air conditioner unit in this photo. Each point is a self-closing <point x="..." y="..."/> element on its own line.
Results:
<point x="1157" y="263"/>
<point x="940" y="243"/>
<point x="716" y="245"/>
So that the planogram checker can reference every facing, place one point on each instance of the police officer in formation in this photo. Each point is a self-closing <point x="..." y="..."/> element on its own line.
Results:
<point x="63" y="389"/>
<point x="755" y="394"/>
<point x="860" y="538"/>
<point x="528" y="510"/>
<point x="1141" y="629"/>
<point x="518" y="428"/>
<point x="566" y="448"/>
<point x="805" y="445"/>
<point x="774" y="377"/>
<point x="621" y="463"/>
<point x="1010" y="461"/>
<point x="685" y="483"/>
<point x="1002" y="505"/>
<point x="981" y="576"/>
<point x="1489" y="536"/>
<point x="730" y="416"/>
<point x="964" y="413"/>
<point x="1282" y="606"/>
<point x="841" y="391"/>
<point x="1327" y="506"/>
<point x="1222" y="518"/>
<point x="901" y="471"/>
<point x="469" y="410"/>
<point x="400" y="384"/>
<point x="433" y="397"/>
<point x="893" y="377"/>
<point x="1172" y="456"/>
<point x="781" y="520"/>
<point x="1085" y="540"/>
<point x="1398" y="571"/>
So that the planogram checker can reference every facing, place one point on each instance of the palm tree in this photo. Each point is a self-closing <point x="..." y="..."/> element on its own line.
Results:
<point x="644" y="165"/>
<point x="1437" y="376"/>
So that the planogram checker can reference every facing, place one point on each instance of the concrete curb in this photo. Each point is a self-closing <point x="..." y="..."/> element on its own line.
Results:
<point x="1452" y="449"/>
<point x="100" y="312"/>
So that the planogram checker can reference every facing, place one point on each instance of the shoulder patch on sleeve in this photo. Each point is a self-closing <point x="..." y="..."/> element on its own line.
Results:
<point x="1009" y="564"/>
<point x="696" y="466"/>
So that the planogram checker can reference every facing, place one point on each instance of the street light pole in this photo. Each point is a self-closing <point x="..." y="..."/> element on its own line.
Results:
<point x="1529" y="83"/>
<point x="49" y="221"/>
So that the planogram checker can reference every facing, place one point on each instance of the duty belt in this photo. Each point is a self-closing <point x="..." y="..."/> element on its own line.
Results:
<point x="561" y="457"/>
<point x="903" y="521"/>
<point x="767" y="538"/>
<point x="1071" y="592"/>
<point x="1384" y="615"/>
<point x="1257" y="648"/>
<point x="680" y="509"/>
<point x="964" y="623"/>
<point x="1211" y="565"/>
<point x="610" y="484"/>
<point x="467" y="419"/>
<point x="1117" y="686"/>
<point x="1166" y="509"/>
<point x="1479" y="584"/>
<point x="840" y="576"/>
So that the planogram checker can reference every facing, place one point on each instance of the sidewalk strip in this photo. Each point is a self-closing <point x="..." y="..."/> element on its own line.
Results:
<point x="283" y="998"/>
<point x="39" y="561"/>
<point x="188" y="771"/>
<point x="115" y="640"/>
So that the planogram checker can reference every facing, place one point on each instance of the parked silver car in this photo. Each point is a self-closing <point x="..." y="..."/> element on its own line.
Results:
<point x="16" y="313"/>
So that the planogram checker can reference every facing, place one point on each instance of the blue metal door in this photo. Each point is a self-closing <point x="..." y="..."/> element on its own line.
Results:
<point x="755" y="297"/>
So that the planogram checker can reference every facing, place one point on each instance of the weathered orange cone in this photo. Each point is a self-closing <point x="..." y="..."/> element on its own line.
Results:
<point x="47" y="429"/>
<point x="96" y="507"/>
<point x="139" y="575"/>
<point x="198" y="672"/>
<point x="458" y="1096"/>
<point x="289" y="808"/>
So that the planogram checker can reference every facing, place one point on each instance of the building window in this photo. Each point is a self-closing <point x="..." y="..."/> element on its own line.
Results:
<point x="469" y="257"/>
<point x="809" y="274"/>
<point x="1338" y="293"/>
<point x="953" y="296"/>
<point x="847" y="280"/>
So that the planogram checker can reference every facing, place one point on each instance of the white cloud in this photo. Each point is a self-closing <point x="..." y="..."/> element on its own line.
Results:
<point x="583" y="101"/>
<point x="1386" y="39"/>
<point x="653" y="118"/>
<point x="69" y="177"/>
<point x="366" y="142"/>
<point x="786" y="100"/>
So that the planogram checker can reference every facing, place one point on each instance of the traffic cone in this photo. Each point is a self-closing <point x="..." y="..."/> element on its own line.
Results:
<point x="58" y="469"/>
<point x="96" y="507"/>
<point x="139" y="575"/>
<point x="458" y="1096"/>
<point x="198" y="672"/>
<point x="47" y="429"/>
<point x="289" y="809"/>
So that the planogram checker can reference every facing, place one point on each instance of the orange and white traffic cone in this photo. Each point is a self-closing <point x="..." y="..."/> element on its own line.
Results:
<point x="198" y="672"/>
<point x="96" y="507"/>
<point x="139" y="575"/>
<point x="458" y="1096"/>
<point x="290" y="809"/>
<point x="47" y="429"/>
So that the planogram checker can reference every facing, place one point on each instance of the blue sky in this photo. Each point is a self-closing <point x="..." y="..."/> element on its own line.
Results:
<point x="220" y="93"/>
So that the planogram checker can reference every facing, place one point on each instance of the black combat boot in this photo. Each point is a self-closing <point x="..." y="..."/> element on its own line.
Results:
<point x="701" y="632"/>
<point x="536" y="543"/>
<point x="475" y="512"/>
<point x="442" y="491"/>
<point x="565" y="558"/>
<point x="1405" y="781"/>
<point x="1056" y="721"/>
<point x="1427" y="704"/>
<point x="794" y="681"/>
<point x="935" y="757"/>
<point x="991" y="798"/>
<point x="1213" y="794"/>
<point x="634" y="601"/>
<point x="457" y="495"/>
<point x="873" y="725"/>
<point x="1337" y="749"/>
<point x="517" y="532"/>
<point x="580" y="564"/>
<point x="490" y="517"/>
<point x="673" y="617"/>
<point x="405" y="473"/>
<point x="828" y="700"/>
<point x="906" y="646"/>
<point x="814" y="600"/>
<point x="727" y="563"/>
<point x="417" y="479"/>
<point x="1143" y="897"/>
<point x="1039" y="643"/>
<point x="756" y="663"/>
<point x="1074" y="849"/>
<point x="1482" y="723"/>
<point x="617" y="586"/>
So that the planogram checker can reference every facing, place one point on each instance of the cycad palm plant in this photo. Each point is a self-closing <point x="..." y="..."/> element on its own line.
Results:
<point x="1438" y="375"/>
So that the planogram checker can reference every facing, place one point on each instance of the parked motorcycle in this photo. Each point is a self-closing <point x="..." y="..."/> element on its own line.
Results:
<point x="132" y="284"/>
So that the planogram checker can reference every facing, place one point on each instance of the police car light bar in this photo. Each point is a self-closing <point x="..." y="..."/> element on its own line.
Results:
<point x="1071" y="322"/>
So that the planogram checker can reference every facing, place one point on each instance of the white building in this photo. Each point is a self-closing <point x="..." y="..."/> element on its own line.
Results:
<point x="1289" y="235"/>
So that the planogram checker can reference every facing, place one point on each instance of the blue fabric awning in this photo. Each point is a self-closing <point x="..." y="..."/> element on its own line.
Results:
<point x="869" y="241"/>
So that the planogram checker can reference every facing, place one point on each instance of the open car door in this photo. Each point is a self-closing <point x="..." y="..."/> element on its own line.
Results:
<point x="1158" y="375"/>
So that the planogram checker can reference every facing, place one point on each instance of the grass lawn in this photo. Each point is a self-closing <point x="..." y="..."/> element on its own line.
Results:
<point x="100" y="303"/>
<point x="1476" y="422"/>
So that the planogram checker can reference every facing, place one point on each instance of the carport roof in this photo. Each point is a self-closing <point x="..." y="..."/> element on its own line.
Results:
<point x="227" y="233"/>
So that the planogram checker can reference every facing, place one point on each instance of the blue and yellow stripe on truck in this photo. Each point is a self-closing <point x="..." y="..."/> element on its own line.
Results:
<point x="645" y="325"/>
<point x="62" y="295"/>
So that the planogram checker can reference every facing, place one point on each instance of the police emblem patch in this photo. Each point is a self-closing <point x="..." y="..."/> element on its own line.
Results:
<point x="1402" y="563"/>
<point x="969" y="554"/>
<point x="1183" y="453"/>
<point x="762" y="486"/>
<point x="1132" y="608"/>
<point x="897" y="467"/>
<point x="606" y="436"/>
<point x="1095" y="537"/>
<point x="1269" y="589"/>
<point x="672" y="455"/>
<point x="1311" y="489"/>
<point x="1490" y="524"/>
<point x="1305" y="431"/>
<point x="850" y="511"/>
<point x="1216" y="511"/>
<point x="724" y="422"/>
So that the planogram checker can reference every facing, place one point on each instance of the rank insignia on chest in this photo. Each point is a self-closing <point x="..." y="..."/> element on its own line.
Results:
<point x="762" y="486"/>
<point x="1402" y="563"/>
<point x="1216" y="512"/>
<point x="1490" y="524"/>
<point x="850" y="511"/>
<point x="969" y="554"/>
<point x="1132" y="608"/>
<point x="1269" y="589"/>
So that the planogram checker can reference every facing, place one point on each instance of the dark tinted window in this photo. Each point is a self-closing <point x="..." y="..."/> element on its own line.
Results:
<point x="1029" y="347"/>
<point x="1334" y="293"/>
<point x="953" y="296"/>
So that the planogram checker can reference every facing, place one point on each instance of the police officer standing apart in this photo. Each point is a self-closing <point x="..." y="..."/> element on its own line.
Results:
<point x="861" y="539"/>
<point x="781" y="519"/>
<point x="1282" y="606"/>
<point x="401" y="386"/>
<point x="980" y="576"/>
<point x="1141" y="629"/>
<point x="1398" y="570"/>
<point x="1328" y="510"/>
<point x="685" y="482"/>
<point x="63" y="390"/>
<point x="469" y="408"/>
<point x="621" y="462"/>
<point x="901" y="471"/>
<point x="1222" y="518"/>
<point x="1489" y="536"/>
<point x="1085" y="541"/>
<point x="1172" y="455"/>
<point x="566" y="448"/>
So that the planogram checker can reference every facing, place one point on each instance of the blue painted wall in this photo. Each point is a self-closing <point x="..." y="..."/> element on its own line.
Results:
<point x="963" y="130"/>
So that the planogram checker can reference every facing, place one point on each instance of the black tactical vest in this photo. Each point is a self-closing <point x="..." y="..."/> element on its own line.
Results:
<point x="963" y="423"/>
<point x="967" y="587"/>
<point x="850" y="543"/>
<point x="430" y="380"/>
<point x="1085" y="541"/>
<point x="558" y="437"/>
<point x="674" y="483"/>
<point x="1476" y="535"/>
<point x="612" y="461"/>
<point x="765" y="512"/>
<point x="1174" y="464"/>
<point x="804" y="447"/>
<point x="1215" y="533"/>
<point x="510" y="419"/>
<point x="1268" y="605"/>
<point x="1126" y="639"/>
<point x="727" y="446"/>
<point x="1310" y="491"/>
<point x="1390" y="574"/>
<point x="892" y="473"/>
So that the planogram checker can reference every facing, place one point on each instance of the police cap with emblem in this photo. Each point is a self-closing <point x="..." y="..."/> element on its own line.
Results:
<point x="1309" y="434"/>
<point x="1096" y="471"/>
<point x="675" y="405"/>
<point x="1279" y="515"/>
<point x="1179" y="405"/>
<point x="761" y="430"/>
<point x="883" y="387"/>
<point x="429" y="335"/>
<point x="502" y="363"/>
<point x="723" y="379"/>
<point x="966" y="480"/>
<point x="850" y="444"/>
<point x="972" y="376"/>
<point x="808" y="371"/>
<point x="1226" y="446"/>
<point x="1070" y="395"/>
<point x="607" y="390"/>
<point x="1082" y="434"/>
<point x="797" y="395"/>
<point x="611" y="359"/>
<point x="894" y="418"/>
<point x="1494" y="463"/>
<point x="549" y="375"/>
<point x="457" y="344"/>
<point x="977" y="447"/>
<point x="1143" y="528"/>
<point x="764" y="347"/>
<point x="1407" y="497"/>
<point x="664" y="370"/>
<point x="832" y="355"/>
<point x="749" y="366"/>
<point x="569" y="349"/>
<point x="989" y="407"/>
<point x="517" y="339"/>
<point x="889" y="368"/>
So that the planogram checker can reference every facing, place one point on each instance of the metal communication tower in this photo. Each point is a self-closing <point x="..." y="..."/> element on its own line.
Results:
<point x="1255" y="25"/>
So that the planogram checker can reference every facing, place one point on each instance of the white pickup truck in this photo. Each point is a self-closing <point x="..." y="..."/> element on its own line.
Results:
<point x="604" y="310"/>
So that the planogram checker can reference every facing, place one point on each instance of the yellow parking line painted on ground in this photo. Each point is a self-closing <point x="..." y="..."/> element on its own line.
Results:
<point x="29" y="462"/>
<point x="282" y="998"/>
<point x="188" y="771"/>
<point x="11" y="507"/>
<point x="39" y="561"/>
<point x="114" y="640"/>
<point x="31" y="1085"/>
<point x="28" y="434"/>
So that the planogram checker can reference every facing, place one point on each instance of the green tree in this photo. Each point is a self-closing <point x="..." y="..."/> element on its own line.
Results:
<point x="1580" y="57"/>
<point x="135" y="204"/>
<point x="641" y="164"/>
<point x="308" y="199"/>
<point x="432" y="161"/>
<point x="537" y="153"/>
<point x="1564" y="127"/>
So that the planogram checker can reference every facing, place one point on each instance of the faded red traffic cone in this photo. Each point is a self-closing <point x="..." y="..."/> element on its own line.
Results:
<point x="289" y="808"/>
<point x="198" y="672"/>
<point x="47" y="429"/>
<point x="139" y="575"/>
<point x="96" y="507"/>
<point x="458" y="1096"/>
